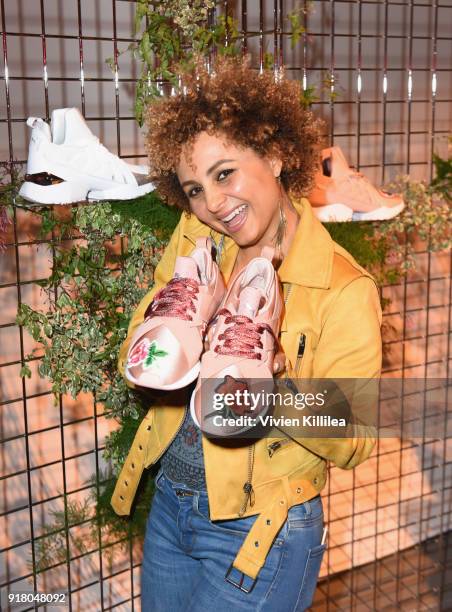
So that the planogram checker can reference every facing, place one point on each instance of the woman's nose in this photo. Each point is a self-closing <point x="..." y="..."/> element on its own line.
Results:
<point x="215" y="200"/>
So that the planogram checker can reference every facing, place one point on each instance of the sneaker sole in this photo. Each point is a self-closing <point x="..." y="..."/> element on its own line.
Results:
<point x="230" y="434"/>
<point x="192" y="409"/>
<point x="379" y="214"/>
<point x="188" y="378"/>
<point x="123" y="192"/>
<point x="62" y="193"/>
<point x="333" y="213"/>
<point x="69" y="192"/>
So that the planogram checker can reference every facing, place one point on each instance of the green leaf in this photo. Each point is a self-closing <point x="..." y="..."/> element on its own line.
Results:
<point x="153" y="353"/>
<point x="25" y="371"/>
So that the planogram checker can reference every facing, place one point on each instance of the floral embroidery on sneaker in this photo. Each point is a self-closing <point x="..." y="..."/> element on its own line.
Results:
<point x="146" y="352"/>
<point x="139" y="353"/>
<point x="152" y="355"/>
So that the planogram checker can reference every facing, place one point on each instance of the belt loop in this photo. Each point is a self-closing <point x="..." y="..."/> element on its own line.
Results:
<point x="308" y="508"/>
<point x="159" y="477"/>
<point x="195" y="504"/>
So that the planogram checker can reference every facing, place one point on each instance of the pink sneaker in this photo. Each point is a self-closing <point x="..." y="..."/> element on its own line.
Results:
<point x="342" y="194"/>
<point x="243" y="343"/>
<point x="165" y="349"/>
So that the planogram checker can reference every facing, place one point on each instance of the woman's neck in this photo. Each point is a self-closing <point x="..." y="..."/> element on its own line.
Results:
<point x="246" y="254"/>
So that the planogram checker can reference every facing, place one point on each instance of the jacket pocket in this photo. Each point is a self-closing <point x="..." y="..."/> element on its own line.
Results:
<point x="310" y="577"/>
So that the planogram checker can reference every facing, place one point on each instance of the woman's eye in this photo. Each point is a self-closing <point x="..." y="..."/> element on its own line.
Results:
<point x="224" y="173"/>
<point x="194" y="192"/>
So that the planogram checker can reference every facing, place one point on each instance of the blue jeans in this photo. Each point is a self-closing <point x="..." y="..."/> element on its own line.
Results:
<point x="186" y="557"/>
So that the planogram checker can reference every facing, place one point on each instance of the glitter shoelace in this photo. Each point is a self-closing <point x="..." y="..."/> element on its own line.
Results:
<point x="243" y="337"/>
<point x="177" y="300"/>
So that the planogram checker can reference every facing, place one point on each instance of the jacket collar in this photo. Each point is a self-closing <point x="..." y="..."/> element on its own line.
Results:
<point x="309" y="261"/>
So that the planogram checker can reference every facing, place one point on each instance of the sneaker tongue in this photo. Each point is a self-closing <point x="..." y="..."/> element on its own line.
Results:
<point x="339" y="165"/>
<point x="203" y="261"/>
<point x="249" y="301"/>
<point x="76" y="130"/>
<point x="186" y="268"/>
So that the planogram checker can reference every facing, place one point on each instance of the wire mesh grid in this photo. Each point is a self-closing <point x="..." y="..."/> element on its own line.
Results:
<point x="383" y="80"/>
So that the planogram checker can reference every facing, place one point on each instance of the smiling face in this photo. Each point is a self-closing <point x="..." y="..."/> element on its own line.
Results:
<point x="232" y="189"/>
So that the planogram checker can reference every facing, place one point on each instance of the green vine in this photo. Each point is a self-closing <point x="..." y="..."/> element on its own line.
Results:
<point x="9" y="179"/>
<point x="94" y="286"/>
<point x="170" y="35"/>
<point x="82" y="329"/>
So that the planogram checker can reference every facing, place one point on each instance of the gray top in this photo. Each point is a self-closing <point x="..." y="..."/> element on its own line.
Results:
<point x="183" y="461"/>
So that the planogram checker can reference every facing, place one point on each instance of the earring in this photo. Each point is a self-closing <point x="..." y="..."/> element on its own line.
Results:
<point x="282" y="224"/>
<point x="281" y="230"/>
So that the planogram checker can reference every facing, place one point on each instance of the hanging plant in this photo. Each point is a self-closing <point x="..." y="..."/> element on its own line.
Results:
<point x="427" y="215"/>
<point x="172" y="34"/>
<point x="7" y="190"/>
<point x="169" y="36"/>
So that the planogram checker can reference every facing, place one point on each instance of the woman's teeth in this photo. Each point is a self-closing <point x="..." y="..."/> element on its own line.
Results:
<point x="234" y="213"/>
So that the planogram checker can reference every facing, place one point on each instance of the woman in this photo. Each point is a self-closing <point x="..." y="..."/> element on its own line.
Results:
<point x="241" y="525"/>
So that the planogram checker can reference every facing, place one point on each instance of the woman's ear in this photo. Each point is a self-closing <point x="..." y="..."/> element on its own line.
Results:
<point x="276" y="166"/>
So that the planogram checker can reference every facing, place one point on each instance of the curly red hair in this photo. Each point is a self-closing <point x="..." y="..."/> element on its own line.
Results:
<point x="248" y="108"/>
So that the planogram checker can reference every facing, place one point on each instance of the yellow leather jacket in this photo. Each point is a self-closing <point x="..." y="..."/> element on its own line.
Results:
<point x="334" y="303"/>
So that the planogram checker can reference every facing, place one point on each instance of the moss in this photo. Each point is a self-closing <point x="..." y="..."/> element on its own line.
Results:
<point x="151" y="212"/>
<point x="356" y="237"/>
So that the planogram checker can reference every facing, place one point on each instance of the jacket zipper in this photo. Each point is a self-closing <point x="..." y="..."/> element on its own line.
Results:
<point x="248" y="486"/>
<point x="301" y="348"/>
<point x="289" y="291"/>
<point x="274" y="446"/>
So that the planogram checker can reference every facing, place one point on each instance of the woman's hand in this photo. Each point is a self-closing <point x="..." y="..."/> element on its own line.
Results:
<point x="279" y="362"/>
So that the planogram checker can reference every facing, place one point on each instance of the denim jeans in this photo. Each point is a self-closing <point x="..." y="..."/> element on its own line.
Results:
<point x="186" y="557"/>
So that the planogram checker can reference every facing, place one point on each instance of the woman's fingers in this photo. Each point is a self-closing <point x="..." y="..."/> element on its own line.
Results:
<point x="279" y="362"/>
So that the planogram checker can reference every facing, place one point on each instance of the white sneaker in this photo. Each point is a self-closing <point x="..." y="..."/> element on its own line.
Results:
<point x="67" y="163"/>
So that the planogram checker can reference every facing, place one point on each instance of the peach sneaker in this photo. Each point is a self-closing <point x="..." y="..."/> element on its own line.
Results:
<point x="342" y="194"/>
<point x="165" y="350"/>
<point x="242" y="346"/>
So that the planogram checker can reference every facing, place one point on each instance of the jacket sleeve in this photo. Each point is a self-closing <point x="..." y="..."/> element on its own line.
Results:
<point x="350" y="347"/>
<point x="162" y="275"/>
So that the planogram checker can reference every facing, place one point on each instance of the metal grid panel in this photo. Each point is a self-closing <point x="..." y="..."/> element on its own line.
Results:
<point x="391" y="67"/>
